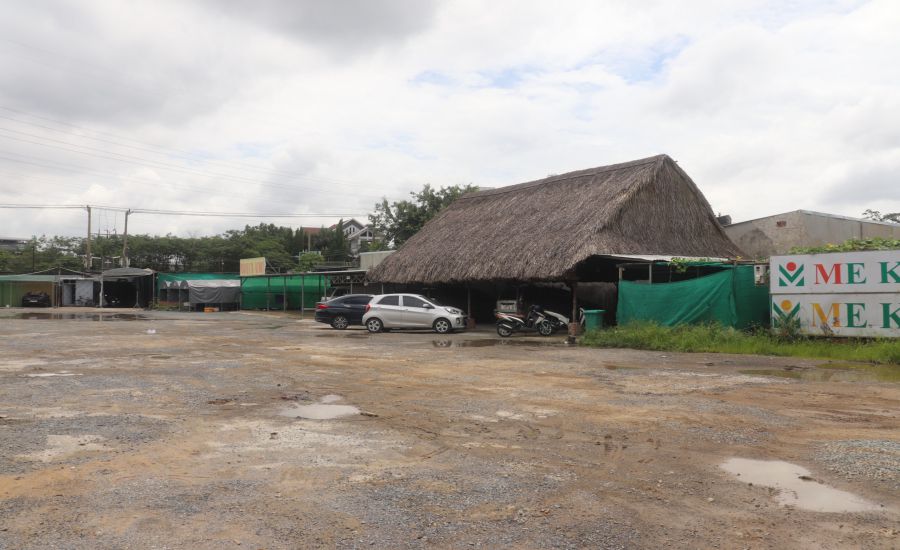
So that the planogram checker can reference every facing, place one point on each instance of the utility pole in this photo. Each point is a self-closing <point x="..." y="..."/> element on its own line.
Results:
<point x="125" y="241"/>
<point x="87" y="256"/>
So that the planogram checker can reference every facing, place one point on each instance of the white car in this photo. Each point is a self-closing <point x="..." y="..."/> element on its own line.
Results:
<point x="388" y="311"/>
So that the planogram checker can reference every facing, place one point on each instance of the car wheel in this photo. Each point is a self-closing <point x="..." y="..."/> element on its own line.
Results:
<point x="504" y="330"/>
<point x="374" y="325"/>
<point x="545" y="328"/>
<point x="340" y="322"/>
<point x="442" y="326"/>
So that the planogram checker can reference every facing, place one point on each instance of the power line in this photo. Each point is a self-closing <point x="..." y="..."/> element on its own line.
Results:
<point x="36" y="206"/>
<point x="182" y="212"/>
<point x="156" y="149"/>
<point x="119" y="157"/>
<point x="77" y="169"/>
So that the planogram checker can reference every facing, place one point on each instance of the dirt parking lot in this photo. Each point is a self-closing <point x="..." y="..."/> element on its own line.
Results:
<point x="163" y="430"/>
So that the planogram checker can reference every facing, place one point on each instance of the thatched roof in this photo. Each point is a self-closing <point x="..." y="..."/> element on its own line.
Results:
<point x="541" y="230"/>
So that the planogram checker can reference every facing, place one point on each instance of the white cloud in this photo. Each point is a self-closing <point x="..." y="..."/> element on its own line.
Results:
<point x="307" y="108"/>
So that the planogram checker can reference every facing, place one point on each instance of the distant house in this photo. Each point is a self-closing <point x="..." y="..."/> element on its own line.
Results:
<point x="11" y="244"/>
<point x="773" y="235"/>
<point x="355" y="232"/>
<point x="310" y="233"/>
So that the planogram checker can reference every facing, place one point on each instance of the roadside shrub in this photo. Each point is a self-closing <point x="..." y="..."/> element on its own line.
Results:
<point x="715" y="338"/>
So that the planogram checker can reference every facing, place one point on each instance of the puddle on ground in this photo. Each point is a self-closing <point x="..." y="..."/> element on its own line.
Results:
<point x="49" y="374"/>
<point x="51" y="316"/>
<point x="62" y="446"/>
<point x="325" y="409"/>
<point x="834" y="372"/>
<point x="796" y="486"/>
<point x="491" y="343"/>
<point x="338" y="335"/>
<point x="617" y="367"/>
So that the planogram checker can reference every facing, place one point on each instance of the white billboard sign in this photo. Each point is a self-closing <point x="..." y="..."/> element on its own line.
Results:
<point x="251" y="267"/>
<point x="840" y="294"/>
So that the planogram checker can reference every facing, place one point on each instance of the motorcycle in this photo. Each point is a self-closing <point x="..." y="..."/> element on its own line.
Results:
<point x="559" y="321"/>
<point x="508" y="323"/>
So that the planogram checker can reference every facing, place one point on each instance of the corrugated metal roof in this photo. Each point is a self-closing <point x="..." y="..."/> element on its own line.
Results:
<point x="661" y="258"/>
<point x="30" y="278"/>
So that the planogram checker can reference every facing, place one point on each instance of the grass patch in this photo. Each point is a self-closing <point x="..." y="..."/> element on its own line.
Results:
<point x="715" y="338"/>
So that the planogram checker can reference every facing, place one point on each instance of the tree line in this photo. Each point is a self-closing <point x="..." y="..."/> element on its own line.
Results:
<point x="285" y="248"/>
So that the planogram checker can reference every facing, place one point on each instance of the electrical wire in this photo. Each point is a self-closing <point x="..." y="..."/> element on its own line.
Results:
<point x="77" y="169"/>
<point x="153" y="211"/>
<point x="156" y="149"/>
<point x="119" y="157"/>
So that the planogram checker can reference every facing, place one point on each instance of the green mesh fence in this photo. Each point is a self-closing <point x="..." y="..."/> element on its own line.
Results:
<point x="260" y="293"/>
<point x="729" y="297"/>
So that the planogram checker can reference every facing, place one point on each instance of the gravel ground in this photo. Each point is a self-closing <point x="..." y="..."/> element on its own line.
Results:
<point x="870" y="459"/>
<point x="115" y="437"/>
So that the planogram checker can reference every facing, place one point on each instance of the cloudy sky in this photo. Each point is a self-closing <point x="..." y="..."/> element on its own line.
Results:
<point x="322" y="107"/>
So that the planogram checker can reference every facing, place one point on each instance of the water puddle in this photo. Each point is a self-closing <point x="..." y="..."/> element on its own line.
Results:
<point x="49" y="374"/>
<point x="325" y="409"/>
<point x="834" y="372"/>
<point x="339" y="335"/>
<point x="492" y="343"/>
<point x="50" y="316"/>
<point x="796" y="486"/>
<point x="617" y="367"/>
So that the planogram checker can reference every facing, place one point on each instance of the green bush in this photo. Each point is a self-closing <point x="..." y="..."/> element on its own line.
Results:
<point x="850" y="245"/>
<point x="715" y="338"/>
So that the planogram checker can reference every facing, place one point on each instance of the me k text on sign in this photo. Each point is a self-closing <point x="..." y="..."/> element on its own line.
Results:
<point x="842" y="294"/>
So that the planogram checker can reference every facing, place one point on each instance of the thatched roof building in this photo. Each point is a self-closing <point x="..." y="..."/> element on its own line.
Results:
<point x="554" y="229"/>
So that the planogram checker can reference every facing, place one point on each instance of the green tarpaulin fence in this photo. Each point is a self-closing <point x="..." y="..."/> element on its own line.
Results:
<point x="254" y="291"/>
<point x="729" y="297"/>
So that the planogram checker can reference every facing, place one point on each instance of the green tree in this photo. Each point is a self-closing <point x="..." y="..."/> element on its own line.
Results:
<point x="309" y="260"/>
<point x="879" y="217"/>
<point x="400" y="220"/>
<point x="43" y="253"/>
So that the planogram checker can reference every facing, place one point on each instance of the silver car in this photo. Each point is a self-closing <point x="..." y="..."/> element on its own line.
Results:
<point x="388" y="311"/>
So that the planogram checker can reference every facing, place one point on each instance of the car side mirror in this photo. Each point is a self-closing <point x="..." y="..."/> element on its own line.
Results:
<point x="428" y="306"/>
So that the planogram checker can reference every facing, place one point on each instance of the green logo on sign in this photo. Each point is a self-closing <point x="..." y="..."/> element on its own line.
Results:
<point x="790" y="274"/>
<point x="785" y="313"/>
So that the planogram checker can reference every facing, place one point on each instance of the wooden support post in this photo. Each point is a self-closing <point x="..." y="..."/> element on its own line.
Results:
<point x="470" y="320"/>
<point x="574" y="325"/>
<point x="302" y="295"/>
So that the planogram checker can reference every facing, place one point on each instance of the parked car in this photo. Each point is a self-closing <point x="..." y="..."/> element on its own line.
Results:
<point x="388" y="311"/>
<point x="342" y="312"/>
<point x="36" y="299"/>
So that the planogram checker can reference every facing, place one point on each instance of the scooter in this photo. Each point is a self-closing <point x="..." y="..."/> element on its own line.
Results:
<point x="557" y="320"/>
<point x="508" y="323"/>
